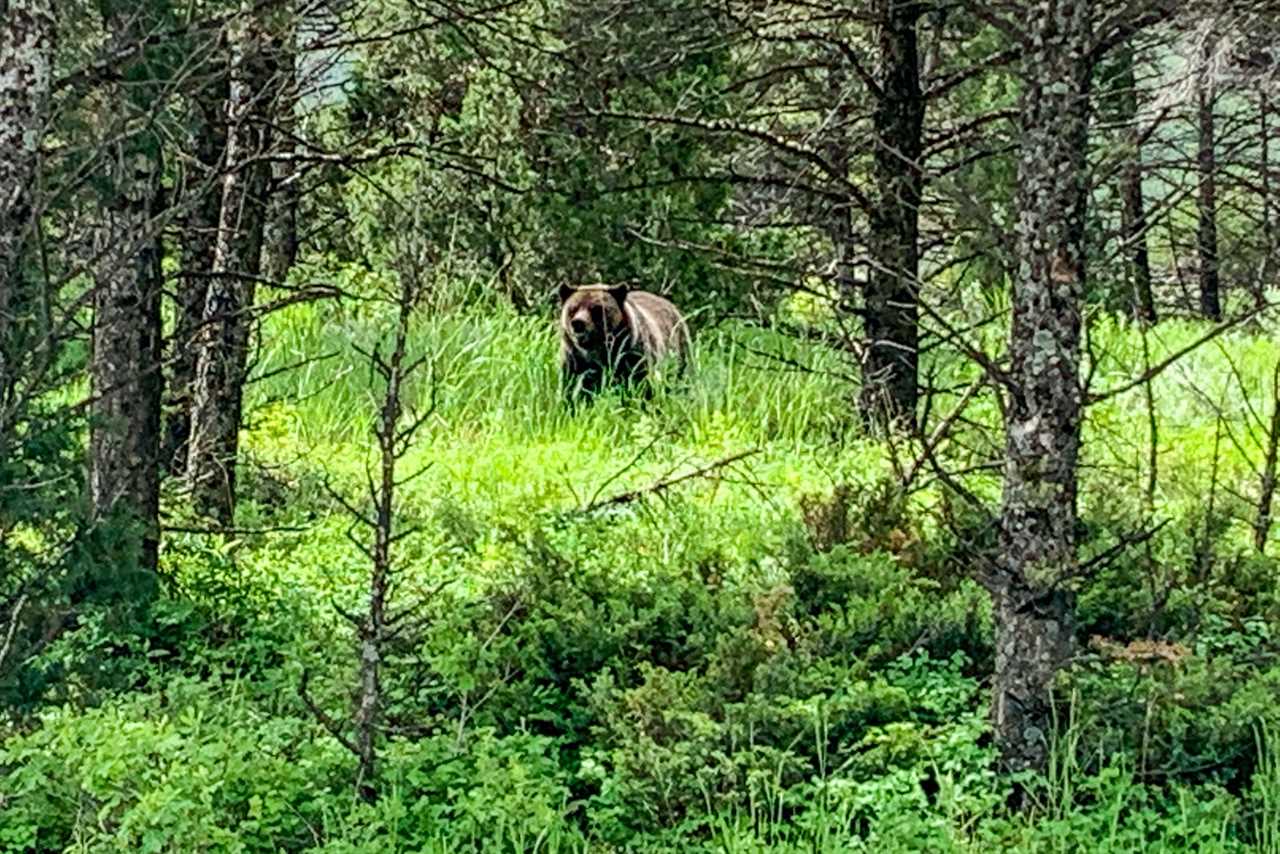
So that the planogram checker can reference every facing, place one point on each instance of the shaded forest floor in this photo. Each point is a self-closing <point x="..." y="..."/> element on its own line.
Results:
<point x="784" y="654"/>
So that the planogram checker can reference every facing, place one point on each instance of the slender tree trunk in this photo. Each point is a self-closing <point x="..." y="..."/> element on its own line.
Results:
<point x="1264" y="182"/>
<point x="1267" y="486"/>
<point x="395" y="437"/>
<point x="222" y="348"/>
<point x="26" y="74"/>
<point x="889" y="388"/>
<point x="280" y="237"/>
<point x="1042" y="418"/>
<point x="124" y="442"/>
<point x="838" y="217"/>
<point x="199" y="244"/>
<point x="1134" y="217"/>
<point x="1207" y="234"/>
<point x="373" y="629"/>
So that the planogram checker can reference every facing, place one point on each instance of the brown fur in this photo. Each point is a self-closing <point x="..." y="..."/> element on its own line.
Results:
<point x="613" y="332"/>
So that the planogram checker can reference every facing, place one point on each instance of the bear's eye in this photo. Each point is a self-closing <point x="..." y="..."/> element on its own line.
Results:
<point x="579" y="325"/>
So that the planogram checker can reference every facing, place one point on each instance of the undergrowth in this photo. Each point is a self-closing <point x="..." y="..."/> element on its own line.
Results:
<point x="782" y="655"/>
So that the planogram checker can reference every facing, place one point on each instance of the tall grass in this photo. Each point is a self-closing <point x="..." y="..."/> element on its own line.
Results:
<point x="498" y="373"/>
<point x="494" y="370"/>
<point x="1266" y="792"/>
<point x="494" y="384"/>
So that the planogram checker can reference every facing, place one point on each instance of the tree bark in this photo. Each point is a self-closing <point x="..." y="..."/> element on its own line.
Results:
<point x="1134" y="216"/>
<point x="208" y="142"/>
<point x="889" y="387"/>
<point x="124" y="441"/>
<point x="373" y="629"/>
<point x="1264" y="184"/>
<point x="280" y="237"/>
<point x="222" y="348"/>
<point x="26" y="74"/>
<point x="1267" y="486"/>
<point x="1207" y="233"/>
<point x="838" y="216"/>
<point x="1042" y="418"/>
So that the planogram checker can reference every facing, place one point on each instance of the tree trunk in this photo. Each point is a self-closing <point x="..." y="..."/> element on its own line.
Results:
<point x="838" y="217"/>
<point x="26" y="73"/>
<point x="199" y="244"/>
<point x="1134" y="216"/>
<point x="1264" y="183"/>
<point x="280" y="236"/>
<point x="1042" y="418"/>
<point x="222" y="347"/>
<point x="1207" y="234"/>
<point x="1267" y="487"/>
<point x="373" y="629"/>
<point x="889" y="385"/>
<point x="124" y="441"/>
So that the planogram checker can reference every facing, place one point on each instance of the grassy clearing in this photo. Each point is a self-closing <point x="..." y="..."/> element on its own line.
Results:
<point x="501" y="439"/>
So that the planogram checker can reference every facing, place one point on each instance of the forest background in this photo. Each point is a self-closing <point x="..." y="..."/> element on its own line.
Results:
<point x="956" y="537"/>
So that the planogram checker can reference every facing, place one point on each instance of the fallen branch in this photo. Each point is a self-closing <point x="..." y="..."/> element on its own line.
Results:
<point x="666" y="483"/>
<point x="620" y="472"/>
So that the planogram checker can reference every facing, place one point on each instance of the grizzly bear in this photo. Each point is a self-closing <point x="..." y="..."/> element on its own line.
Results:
<point x="614" y="333"/>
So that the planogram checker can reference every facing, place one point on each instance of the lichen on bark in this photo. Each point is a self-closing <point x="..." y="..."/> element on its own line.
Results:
<point x="26" y="70"/>
<point x="1037" y="559"/>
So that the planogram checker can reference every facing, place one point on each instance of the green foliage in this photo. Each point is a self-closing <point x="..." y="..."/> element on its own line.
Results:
<point x="544" y="182"/>
<point x="727" y="667"/>
<point x="789" y="653"/>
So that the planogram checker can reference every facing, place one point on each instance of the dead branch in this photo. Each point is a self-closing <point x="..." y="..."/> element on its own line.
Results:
<point x="330" y="725"/>
<point x="665" y="483"/>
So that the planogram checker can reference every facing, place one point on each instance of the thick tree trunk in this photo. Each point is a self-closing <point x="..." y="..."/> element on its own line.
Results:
<point x="124" y="442"/>
<point x="1042" y="418"/>
<point x="26" y="74"/>
<point x="1033" y="641"/>
<point x="889" y="386"/>
<point x="127" y="383"/>
<point x="223" y="343"/>
<point x="1207" y="233"/>
<point x="203" y="201"/>
<point x="1134" y="216"/>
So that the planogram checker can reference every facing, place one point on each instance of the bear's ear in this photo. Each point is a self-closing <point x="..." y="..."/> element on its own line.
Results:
<point x="619" y="293"/>
<point x="566" y="291"/>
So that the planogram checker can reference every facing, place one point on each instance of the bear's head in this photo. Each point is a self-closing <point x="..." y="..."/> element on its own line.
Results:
<point x="591" y="315"/>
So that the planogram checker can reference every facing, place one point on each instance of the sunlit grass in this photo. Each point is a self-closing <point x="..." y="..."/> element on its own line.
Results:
<point x="499" y="432"/>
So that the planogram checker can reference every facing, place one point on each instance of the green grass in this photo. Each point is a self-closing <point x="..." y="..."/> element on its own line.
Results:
<point x="498" y="375"/>
<point x="499" y="424"/>
<point x="682" y="673"/>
